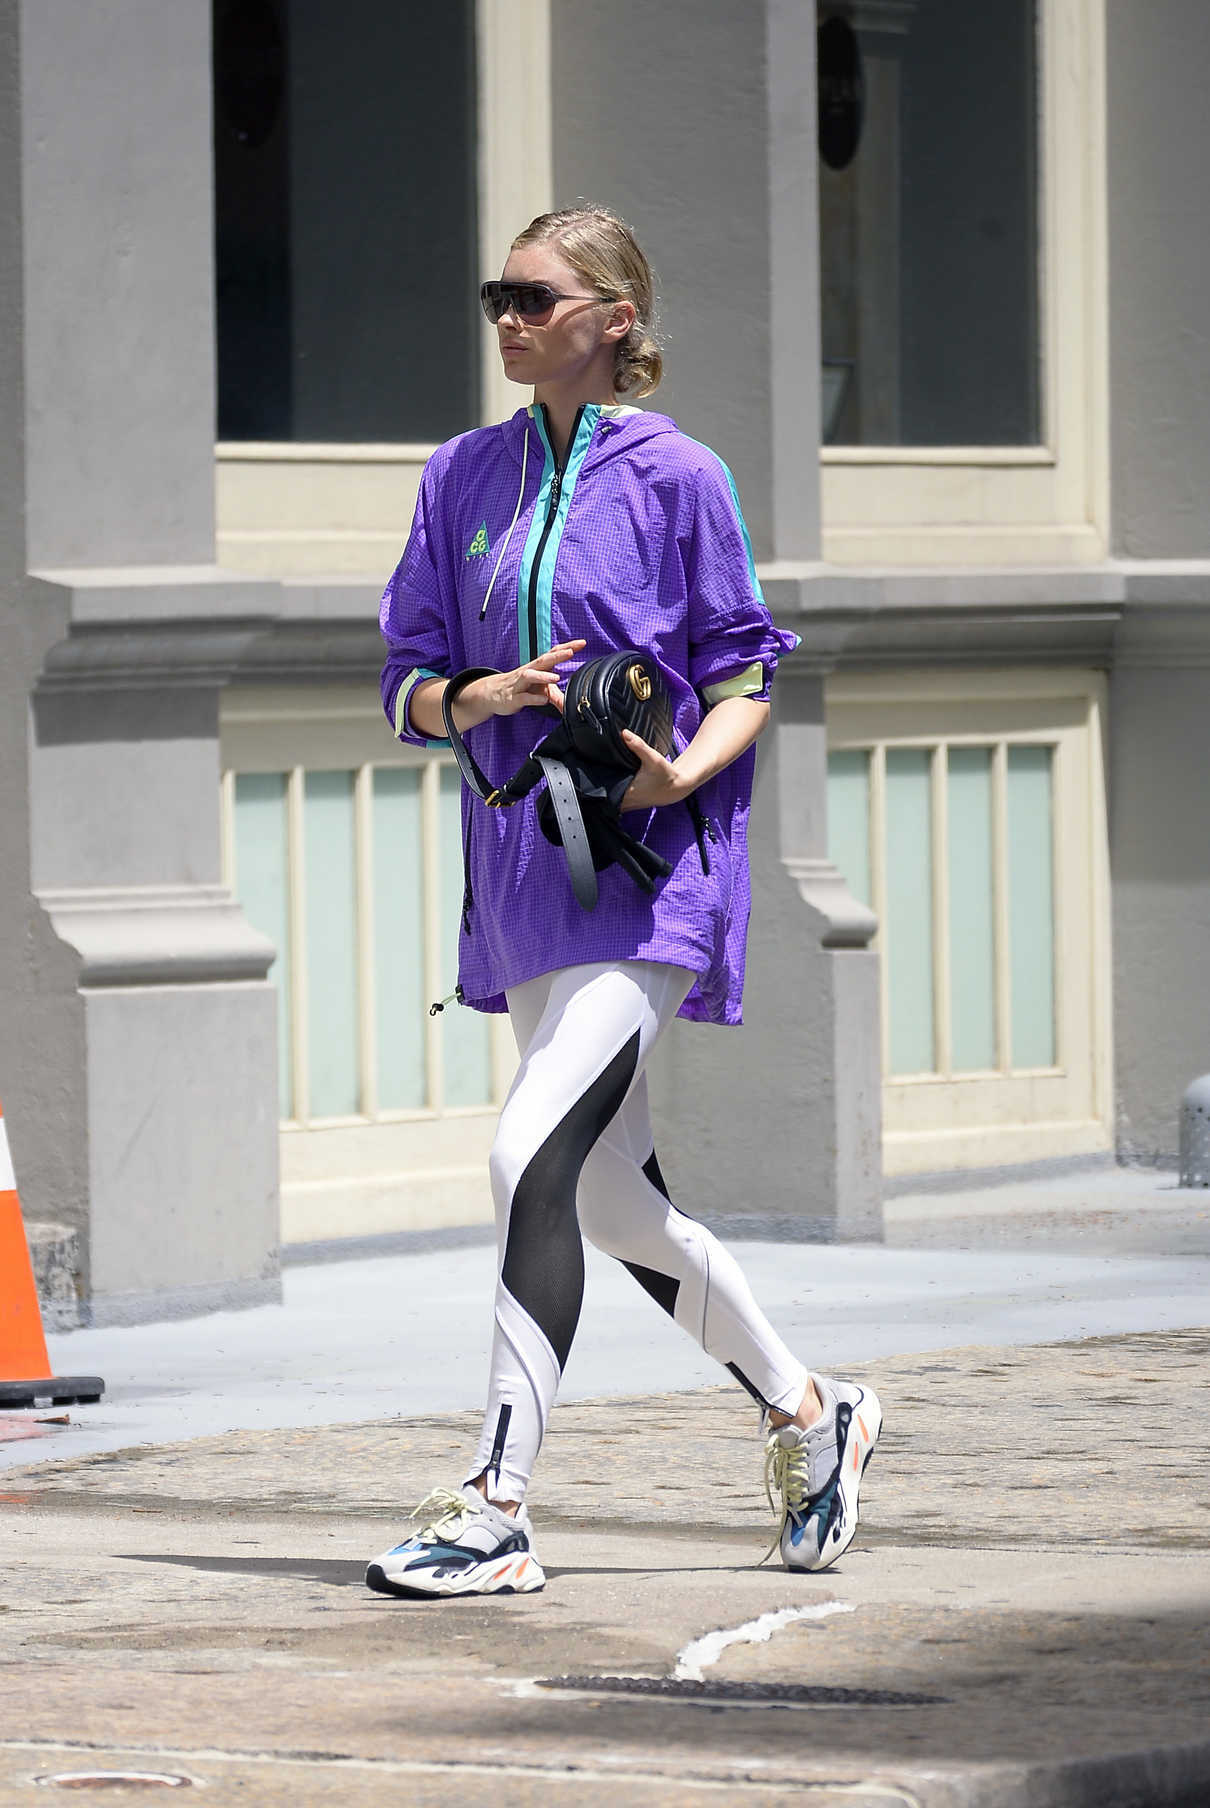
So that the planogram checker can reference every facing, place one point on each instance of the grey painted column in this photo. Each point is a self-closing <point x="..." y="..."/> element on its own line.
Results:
<point x="704" y="137"/>
<point x="137" y="1063"/>
<point x="1158" y="150"/>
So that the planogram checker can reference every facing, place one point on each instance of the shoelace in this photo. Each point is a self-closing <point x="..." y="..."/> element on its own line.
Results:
<point x="786" y="1470"/>
<point x="448" y="1511"/>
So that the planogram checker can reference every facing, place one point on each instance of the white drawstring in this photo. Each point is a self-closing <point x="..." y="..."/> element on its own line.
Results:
<point x="508" y="536"/>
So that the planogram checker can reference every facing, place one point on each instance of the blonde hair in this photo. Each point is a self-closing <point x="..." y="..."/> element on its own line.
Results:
<point x="604" y="253"/>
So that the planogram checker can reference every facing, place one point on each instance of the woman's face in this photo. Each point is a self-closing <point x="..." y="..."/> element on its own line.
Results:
<point x="577" y="343"/>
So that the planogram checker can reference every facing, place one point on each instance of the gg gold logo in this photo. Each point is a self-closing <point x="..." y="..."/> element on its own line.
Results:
<point x="640" y="683"/>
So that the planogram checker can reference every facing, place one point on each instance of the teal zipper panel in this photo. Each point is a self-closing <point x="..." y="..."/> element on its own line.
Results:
<point x="536" y="578"/>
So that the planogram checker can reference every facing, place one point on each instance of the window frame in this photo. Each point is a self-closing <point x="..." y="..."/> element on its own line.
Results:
<point x="939" y="1120"/>
<point x="378" y="1169"/>
<point x="1042" y="504"/>
<point x="293" y="508"/>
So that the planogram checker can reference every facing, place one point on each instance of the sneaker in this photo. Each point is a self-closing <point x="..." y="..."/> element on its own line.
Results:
<point x="817" y="1474"/>
<point x="465" y="1546"/>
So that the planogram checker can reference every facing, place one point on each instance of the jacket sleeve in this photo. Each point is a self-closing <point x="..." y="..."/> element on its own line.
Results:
<point x="418" y="617"/>
<point x="733" y="645"/>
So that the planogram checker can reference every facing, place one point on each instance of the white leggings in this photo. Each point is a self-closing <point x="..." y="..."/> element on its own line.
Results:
<point x="575" y="1138"/>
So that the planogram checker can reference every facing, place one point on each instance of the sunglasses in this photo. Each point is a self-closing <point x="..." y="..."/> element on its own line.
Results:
<point x="532" y="302"/>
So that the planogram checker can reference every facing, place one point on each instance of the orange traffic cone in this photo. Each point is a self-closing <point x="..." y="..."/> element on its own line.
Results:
<point x="25" y="1377"/>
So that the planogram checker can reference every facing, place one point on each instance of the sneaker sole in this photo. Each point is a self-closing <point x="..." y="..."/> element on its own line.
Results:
<point x="516" y="1575"/>
<point x="865" y="1427"/>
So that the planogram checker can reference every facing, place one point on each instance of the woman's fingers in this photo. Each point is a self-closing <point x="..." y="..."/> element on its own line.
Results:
<point x="645" y="753"/>
<point x="559" y="655"/>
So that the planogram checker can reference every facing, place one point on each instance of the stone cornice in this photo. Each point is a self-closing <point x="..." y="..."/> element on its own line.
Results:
<point x="147" y="935"/>
<point x="204" y="625"/>
<point x="1121" y="613"/>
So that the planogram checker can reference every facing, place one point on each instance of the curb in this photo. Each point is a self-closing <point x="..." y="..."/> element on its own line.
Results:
<point x="1174" y="1776"/>
<point x="54" y="1251"/>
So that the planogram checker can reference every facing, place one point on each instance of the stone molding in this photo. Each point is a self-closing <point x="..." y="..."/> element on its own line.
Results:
<point x="197" y="625"/>
<point x="823" y="887"/>
<point x="148" y="935"/>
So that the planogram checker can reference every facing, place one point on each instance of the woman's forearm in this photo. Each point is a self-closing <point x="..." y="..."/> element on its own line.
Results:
<point x="725" y="732"/>
<point x="424" y="708"/>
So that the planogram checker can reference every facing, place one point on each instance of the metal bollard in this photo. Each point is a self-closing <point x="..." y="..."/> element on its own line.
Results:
<point x="1195" y="1134"/>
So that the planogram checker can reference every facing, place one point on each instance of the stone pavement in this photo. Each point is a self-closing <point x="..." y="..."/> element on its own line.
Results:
<point x="1026" y="1606"/>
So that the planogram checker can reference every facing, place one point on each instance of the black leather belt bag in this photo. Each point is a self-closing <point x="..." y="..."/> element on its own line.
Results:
<point x="587" y="767"/>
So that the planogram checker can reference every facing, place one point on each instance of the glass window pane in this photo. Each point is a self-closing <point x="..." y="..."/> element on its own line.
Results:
<point x="260" y="884"/>
<point x="345" y="202"/>
<point x="1031" y="905"/>
<point x="928" y="222"/>
<point x="464" y="1033"/>
<point x="399" y="987"/>
<point x="330" y="878"/>
<point x="849" y="819"/>
<point x="908" y="933"/>
<point x="972" y="919"/>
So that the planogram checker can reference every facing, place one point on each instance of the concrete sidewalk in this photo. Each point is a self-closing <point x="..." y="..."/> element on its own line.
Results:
<point x="1021" y="1623"/>
<point x="408" y="1331"/>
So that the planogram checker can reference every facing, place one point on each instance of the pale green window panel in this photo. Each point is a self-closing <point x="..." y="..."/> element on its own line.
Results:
<point x="260" y="882"/>
<point x="330" y="900"/>
<point x="909" y="912"/>
<point x="849" y="820"/>
<point x="399" y="988"/>
<point x="971" y="909"/>
<point x="1031" y="910"/>
<point x="465" y="1033"/>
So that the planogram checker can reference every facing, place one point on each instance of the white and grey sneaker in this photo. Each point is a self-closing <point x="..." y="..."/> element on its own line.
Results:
<point x="817" y="1474"/>
<point x="465" y="1546"/>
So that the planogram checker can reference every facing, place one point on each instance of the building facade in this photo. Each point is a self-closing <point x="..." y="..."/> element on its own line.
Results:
<point x="933" y="282"/>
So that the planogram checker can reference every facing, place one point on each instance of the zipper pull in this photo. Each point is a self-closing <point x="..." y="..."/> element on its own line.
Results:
<point x="556" y="490"/>
<point x="454" y="997"/>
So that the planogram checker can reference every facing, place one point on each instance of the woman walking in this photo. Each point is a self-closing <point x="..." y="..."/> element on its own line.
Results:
<point x="581" y="526"/>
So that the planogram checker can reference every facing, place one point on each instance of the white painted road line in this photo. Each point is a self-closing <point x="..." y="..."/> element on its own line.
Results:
<point x="700" y="1653"/>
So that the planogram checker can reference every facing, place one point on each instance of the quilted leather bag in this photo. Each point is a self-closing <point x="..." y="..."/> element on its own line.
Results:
<point x="587" y="767"/>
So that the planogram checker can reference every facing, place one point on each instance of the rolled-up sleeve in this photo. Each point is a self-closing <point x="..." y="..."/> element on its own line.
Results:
<point x="733" y="645"/>
<point x="417" y="607"/>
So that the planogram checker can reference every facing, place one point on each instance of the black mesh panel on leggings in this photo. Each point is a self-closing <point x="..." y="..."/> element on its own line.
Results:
<point x="664" y="1288"/>
<point x="544" y="1255"/>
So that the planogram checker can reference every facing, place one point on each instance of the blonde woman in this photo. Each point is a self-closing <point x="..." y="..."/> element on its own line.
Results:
<point x="580" y="526"/>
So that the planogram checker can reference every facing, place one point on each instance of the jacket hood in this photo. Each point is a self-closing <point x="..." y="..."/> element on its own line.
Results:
<point x="618" y="428"/>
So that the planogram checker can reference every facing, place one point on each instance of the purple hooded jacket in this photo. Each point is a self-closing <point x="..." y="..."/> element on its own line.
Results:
<point x="637" y="541"/>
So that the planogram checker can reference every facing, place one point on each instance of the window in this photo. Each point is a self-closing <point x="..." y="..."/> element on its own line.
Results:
<point x="345" y="850"/>
<point x="331" y="402"/>
<point x="962" y="252"/>
<point x="928" y="236"/>
<point x="345" y="220"/>
<point x="971" y="820"/>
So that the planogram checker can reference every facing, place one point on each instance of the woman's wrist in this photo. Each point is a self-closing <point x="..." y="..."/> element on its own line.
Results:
<point x="688" y="776"/>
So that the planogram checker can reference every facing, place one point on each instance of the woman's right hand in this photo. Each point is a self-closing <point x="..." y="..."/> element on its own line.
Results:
<point x="527" y="687"/>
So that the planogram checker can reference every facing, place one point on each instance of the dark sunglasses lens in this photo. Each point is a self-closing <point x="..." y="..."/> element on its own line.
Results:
<point x="535" y="302"/>
<point x="532" y="302"/>
<point x="493" y="301"/>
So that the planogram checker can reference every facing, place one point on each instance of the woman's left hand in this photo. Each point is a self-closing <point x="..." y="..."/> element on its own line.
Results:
<point x="657" y="780"/>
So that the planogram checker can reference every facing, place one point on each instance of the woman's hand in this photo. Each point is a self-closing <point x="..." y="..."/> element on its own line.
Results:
<point x="724" y="733"/>
<point x="503" y="694"/>
<point x="528" y="687"/>
<point x="657" y="780"/>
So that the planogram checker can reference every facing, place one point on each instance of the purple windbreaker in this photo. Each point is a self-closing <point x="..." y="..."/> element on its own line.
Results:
<point x="638" y="541"/>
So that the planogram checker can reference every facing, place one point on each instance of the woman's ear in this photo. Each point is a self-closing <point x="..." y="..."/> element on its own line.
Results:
<point x="622" y="316"/>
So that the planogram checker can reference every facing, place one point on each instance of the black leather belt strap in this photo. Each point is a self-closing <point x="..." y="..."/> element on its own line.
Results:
<point x="469" y="766"/>
<point x="643" y="865"/>
<point x="574" y="835"/>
